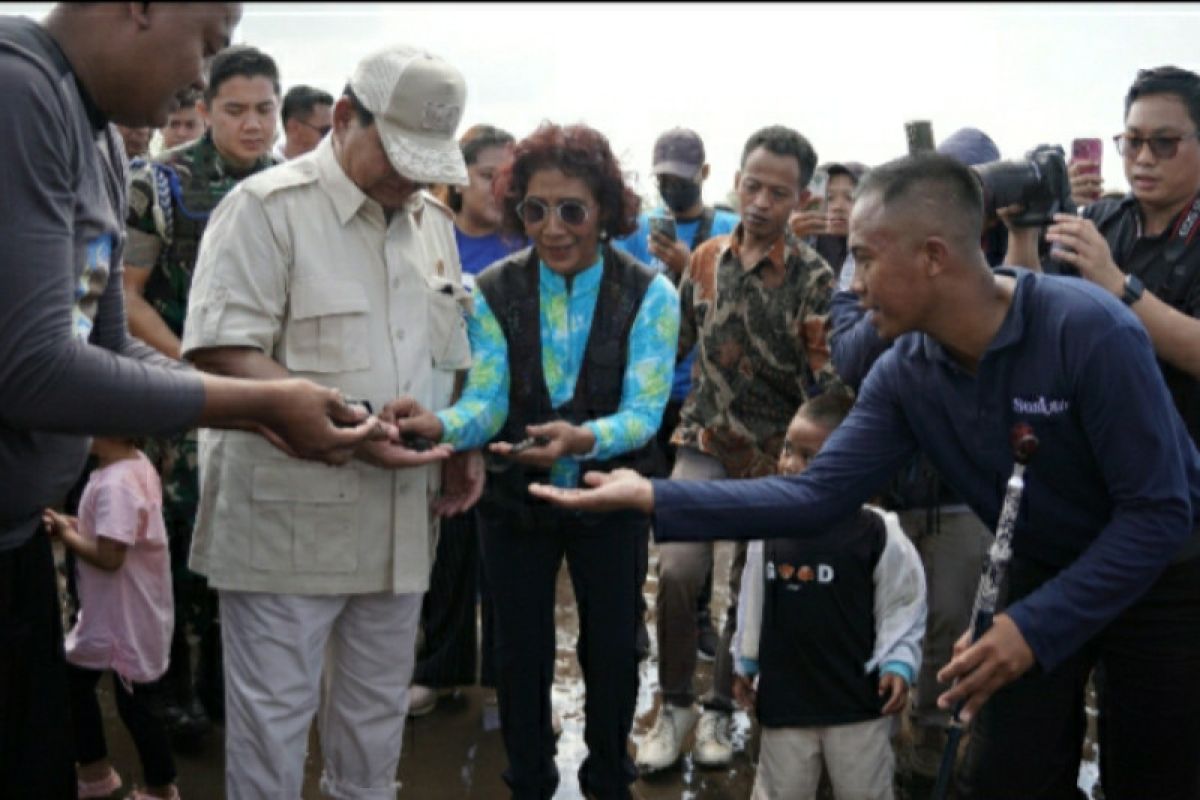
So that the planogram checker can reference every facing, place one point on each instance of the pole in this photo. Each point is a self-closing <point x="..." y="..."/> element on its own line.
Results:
<point x="1024" y="445"/>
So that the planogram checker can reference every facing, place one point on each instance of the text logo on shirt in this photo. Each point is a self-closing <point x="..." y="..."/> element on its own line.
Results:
<point x="1040" y="406"/>
<point x="796" y="577"/>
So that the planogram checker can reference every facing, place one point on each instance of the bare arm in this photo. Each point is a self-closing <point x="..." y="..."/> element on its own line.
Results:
<point x="144" y="321"/>
<point x="101" y="552"/>
<point x="380" y="449"/>
<point x="1175" y="335"/>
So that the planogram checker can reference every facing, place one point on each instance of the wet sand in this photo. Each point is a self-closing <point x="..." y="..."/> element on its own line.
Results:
<point x="456" y="753"/>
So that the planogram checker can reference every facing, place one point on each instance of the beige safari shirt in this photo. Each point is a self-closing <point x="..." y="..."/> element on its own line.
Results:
<point x="300" y="264"/>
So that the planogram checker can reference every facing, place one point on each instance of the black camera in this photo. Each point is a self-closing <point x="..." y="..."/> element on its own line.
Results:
<point x="1039" y="182"/>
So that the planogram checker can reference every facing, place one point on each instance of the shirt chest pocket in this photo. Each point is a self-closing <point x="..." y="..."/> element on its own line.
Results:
<point x="448" y="305"/>
<point x="305" y="518"/>
<point x="328" y="328"/>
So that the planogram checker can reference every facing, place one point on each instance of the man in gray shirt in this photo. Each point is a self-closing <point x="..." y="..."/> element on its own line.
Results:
<point x="68" y="368"/>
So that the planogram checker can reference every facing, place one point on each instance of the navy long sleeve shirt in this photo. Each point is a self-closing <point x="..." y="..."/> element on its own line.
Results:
<point x="1110" y="498"/>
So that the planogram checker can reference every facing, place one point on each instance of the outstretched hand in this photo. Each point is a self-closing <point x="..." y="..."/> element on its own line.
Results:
<point x="608" y="491"/>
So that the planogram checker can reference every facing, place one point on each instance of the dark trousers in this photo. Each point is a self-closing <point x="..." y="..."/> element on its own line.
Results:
<point x="522" y="552"/>
<point x="137" y="707"/>
<point x="196" y="610"/>
<point x="448" y="611"/>
<point x="36" y="757"/>
<point x="1026" y="740"/>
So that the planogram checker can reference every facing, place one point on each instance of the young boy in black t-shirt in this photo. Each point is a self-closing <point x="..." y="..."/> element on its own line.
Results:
<point x="831" y="627"/>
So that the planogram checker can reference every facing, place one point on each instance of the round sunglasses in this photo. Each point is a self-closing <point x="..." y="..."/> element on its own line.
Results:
<point x="533" y="211"/>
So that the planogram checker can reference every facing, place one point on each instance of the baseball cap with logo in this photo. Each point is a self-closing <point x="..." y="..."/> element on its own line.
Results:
<point x="679" y="152"/>
<point x="417" y="99"/>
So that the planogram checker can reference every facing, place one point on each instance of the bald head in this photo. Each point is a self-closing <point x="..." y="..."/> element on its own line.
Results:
<point x="925" y="196"/>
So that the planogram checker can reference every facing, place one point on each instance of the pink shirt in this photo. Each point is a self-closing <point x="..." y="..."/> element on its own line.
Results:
<point x="126" y="616"/>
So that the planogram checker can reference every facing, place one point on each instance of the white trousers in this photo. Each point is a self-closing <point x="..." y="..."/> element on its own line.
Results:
<point x="858" y="756"/>
<point x="275" y="648"/>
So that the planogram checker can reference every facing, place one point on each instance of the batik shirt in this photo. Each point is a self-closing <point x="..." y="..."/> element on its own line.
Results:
<point x="760" y="329"/>
<point x="566" y="320"/>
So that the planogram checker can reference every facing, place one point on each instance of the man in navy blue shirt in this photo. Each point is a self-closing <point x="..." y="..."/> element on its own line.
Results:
<point x="1106" y="564"/>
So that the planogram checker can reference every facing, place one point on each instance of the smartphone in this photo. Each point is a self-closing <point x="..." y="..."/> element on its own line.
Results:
<point x="919" y="133"/>
<point x="532" y="441"/>
<point x="1088" y="150"/>
<point x="816" y="187"/>
<point x="664" y="226"/>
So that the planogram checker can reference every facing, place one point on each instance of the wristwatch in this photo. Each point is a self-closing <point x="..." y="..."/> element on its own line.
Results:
<point x="1133" y="290"/>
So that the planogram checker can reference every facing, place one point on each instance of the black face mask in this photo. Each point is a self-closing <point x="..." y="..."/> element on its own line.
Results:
<point x="679" y="195"/>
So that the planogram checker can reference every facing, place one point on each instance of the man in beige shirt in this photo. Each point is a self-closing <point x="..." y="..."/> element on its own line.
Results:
<point x="335" y="267"/>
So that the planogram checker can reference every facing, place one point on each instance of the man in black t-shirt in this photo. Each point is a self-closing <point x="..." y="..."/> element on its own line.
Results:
<point x="1145" y="248"/>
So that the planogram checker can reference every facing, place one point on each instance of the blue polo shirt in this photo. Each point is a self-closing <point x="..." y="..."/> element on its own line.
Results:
<point x="1110" y="498"/>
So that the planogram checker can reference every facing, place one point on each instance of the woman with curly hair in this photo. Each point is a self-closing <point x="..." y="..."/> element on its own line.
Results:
<point x="573" y="344"/>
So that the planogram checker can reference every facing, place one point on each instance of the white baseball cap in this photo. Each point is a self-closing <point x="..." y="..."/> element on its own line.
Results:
<point x="417" y="99"/>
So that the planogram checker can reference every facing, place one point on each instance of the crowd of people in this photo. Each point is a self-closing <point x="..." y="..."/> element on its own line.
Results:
<point x="351" y="381"/>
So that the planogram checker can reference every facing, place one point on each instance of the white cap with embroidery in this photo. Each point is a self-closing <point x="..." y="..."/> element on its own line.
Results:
<point x="418" y="100"/>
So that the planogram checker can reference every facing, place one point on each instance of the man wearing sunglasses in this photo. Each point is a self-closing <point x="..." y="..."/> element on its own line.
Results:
<point x="307" y="116"/>
<point x="1145" y="248"/>
<point x="170" y="200"/>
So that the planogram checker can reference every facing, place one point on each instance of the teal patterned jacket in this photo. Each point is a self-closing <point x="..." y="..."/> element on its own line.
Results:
<point x="566" y="320"/>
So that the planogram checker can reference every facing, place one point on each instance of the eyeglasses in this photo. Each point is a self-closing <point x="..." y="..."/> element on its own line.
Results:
<point x="1164" y="147"/>
<point x="321" y="129"/>
<point x="533" y="211"/>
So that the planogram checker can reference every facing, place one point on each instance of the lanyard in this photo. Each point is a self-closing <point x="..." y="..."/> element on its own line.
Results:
<point x="1180" y="241"/>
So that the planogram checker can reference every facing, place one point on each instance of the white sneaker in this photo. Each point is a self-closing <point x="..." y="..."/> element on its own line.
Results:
<point x="713" y="747"/>
<point x="660" y="749"/>
<point x="421" y="700"/>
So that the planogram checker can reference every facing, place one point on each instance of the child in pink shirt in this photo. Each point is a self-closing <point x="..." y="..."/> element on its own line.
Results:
<point x="125" y="618"/>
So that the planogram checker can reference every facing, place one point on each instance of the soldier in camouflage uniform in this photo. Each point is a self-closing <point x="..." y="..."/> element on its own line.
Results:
<point x="170" y="200"/>
<point x="754" y="302"/>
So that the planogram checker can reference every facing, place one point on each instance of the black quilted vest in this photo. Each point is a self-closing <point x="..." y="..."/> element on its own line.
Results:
<point x="511" y="289"/>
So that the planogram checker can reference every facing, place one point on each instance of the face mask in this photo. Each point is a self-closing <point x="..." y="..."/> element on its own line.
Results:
<point x="680" y="195"/>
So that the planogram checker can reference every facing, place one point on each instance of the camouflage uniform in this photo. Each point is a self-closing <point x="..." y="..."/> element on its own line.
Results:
<point x="170" y="199"/>
<point x="762" y="349"/>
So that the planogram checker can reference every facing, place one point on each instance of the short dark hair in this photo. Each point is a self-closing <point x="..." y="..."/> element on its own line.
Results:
<point x="300" y="101"/>
<point x="783" y="141"/>
<point x="365" y="118"/>
<point x="187" y="98"/>
<point x="240" y="61"/>
<point x="1167" y="80"/>
<point x="944" y="180"/>
<point x="828" y="409"/>
<point x="474" y="141"/>
<point x="579" y="152"/>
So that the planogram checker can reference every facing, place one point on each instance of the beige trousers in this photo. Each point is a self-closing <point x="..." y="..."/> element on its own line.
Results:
<point x="858" y="757"/>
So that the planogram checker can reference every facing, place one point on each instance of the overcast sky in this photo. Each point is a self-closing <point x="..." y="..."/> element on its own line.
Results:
<point x="846" y="76"/>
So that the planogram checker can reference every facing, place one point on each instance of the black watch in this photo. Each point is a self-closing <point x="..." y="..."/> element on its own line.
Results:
<point x="1133" y="290"/>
